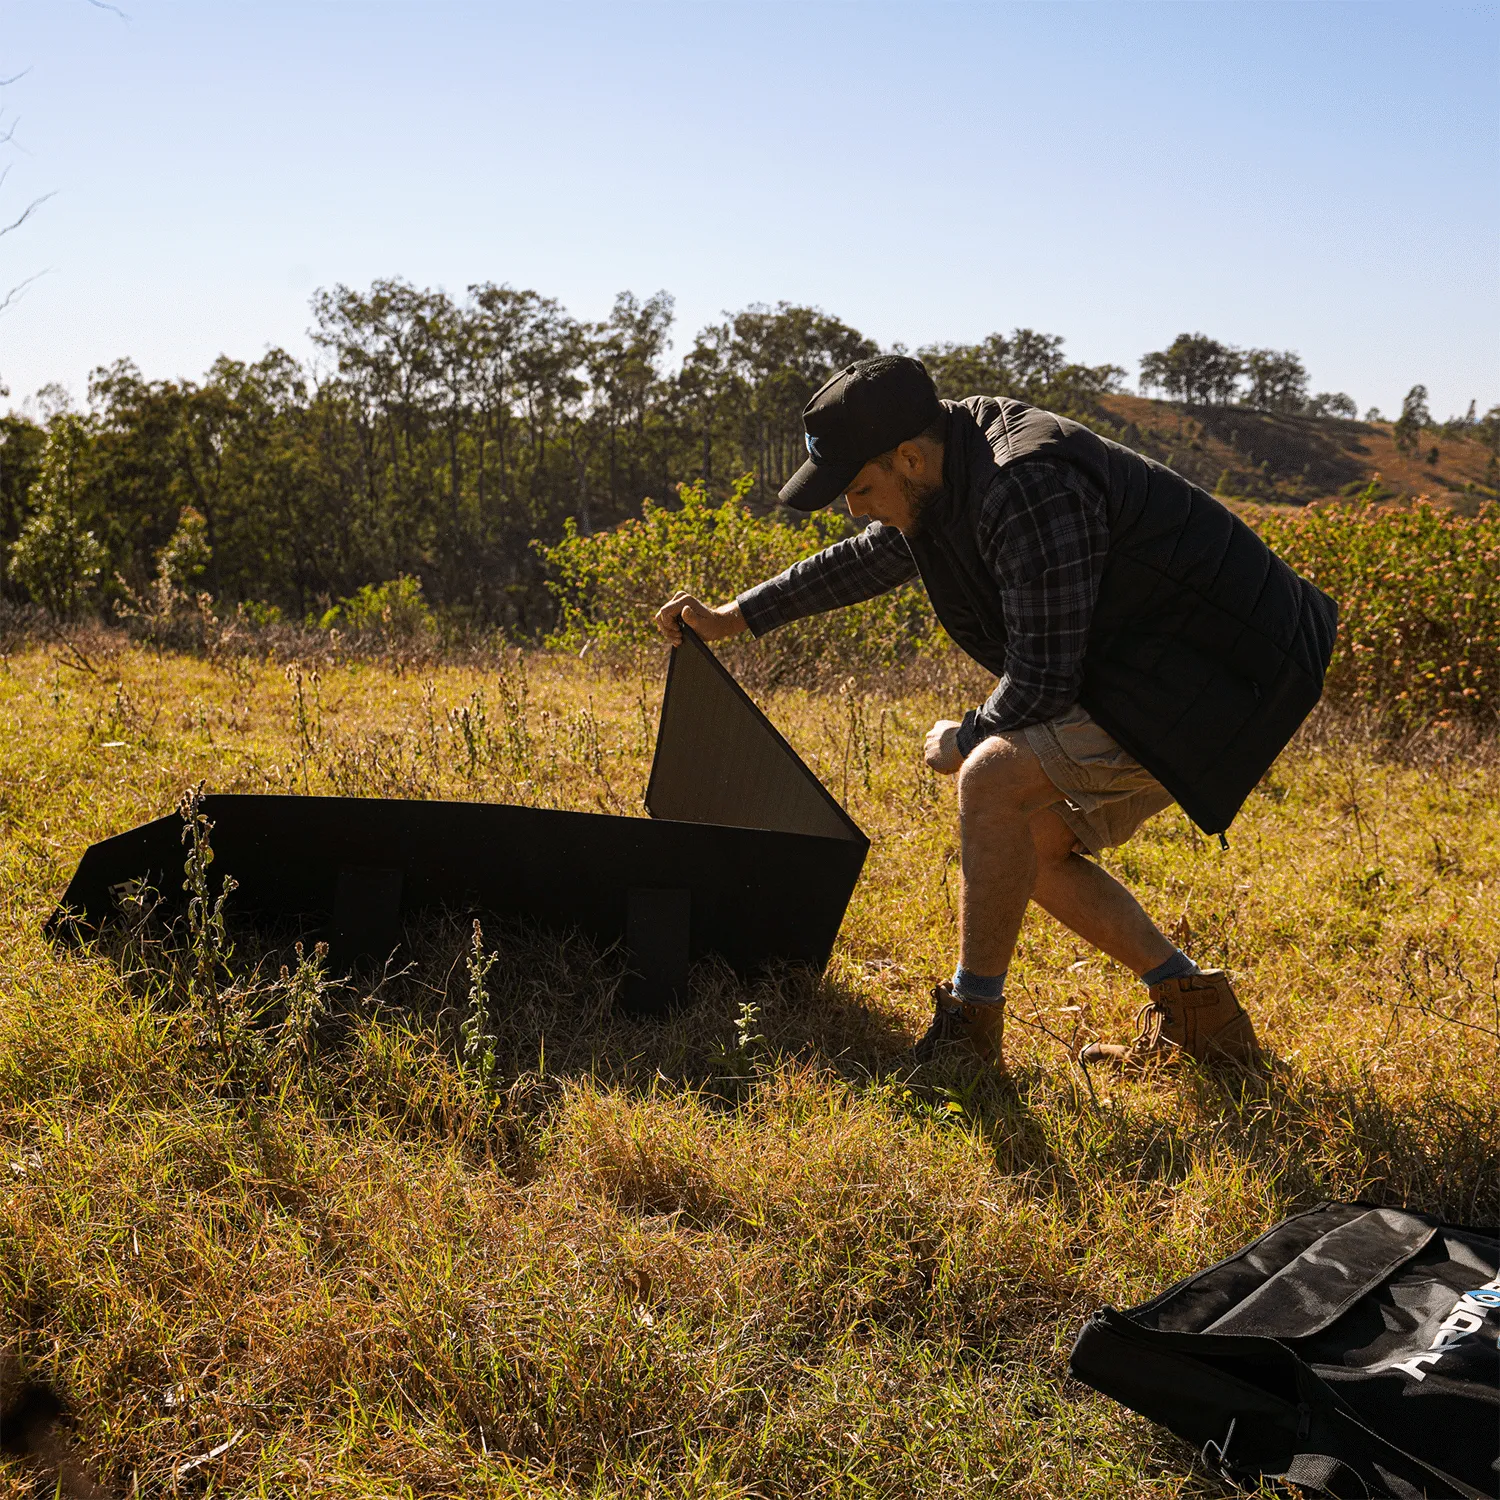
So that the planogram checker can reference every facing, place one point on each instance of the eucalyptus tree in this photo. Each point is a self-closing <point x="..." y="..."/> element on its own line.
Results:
<point x="1278" y="380"/>
<point x="1414" y="419"/>
<point x="1023" y="364"/>
<point x="703" y="398"/>
<point x="506" y="326"/>
<point x="623" y="356"/>
<point x="383" y="342"/>
<point x="1194" y="369"/>
<point x="773" y="359"/>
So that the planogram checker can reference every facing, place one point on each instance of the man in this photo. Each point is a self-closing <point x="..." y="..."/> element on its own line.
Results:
<point x="1149" y="647"/>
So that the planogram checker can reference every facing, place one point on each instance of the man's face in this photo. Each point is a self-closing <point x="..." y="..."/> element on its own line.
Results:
<point x="897" y="495"/>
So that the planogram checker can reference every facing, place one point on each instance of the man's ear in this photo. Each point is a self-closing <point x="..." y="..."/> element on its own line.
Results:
<point x="913" y="460"/>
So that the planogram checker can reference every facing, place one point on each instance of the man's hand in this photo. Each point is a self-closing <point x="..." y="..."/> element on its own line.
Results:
<point x="707" y="624"/>
<point x="941" y="751"/>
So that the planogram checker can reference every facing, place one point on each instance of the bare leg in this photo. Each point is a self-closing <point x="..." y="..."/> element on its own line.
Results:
<point x="1016" y="849"/>
<point x="1000" y="787"/>
<point x="1091" y="901"/>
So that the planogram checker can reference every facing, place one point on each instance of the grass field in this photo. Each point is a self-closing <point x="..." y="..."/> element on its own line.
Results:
<point x="745" y="1252"/>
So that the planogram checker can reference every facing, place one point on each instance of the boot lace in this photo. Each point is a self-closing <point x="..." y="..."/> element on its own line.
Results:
<point x="1149" y="1021"/>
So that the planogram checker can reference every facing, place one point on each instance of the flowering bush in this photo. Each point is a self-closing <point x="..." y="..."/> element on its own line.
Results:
<point x="1418" y="589"/>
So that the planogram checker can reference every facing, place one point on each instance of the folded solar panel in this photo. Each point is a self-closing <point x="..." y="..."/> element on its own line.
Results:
<point x="746" y="855"/>
<point x="720" y="760"/>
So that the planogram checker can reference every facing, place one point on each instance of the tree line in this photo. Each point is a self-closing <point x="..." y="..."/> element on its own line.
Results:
<point x="1201" y="371"/>
<point x="437" y="438"/>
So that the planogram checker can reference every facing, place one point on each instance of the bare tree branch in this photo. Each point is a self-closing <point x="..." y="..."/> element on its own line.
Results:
<point x="25" y="214"/>
<point x="105" y="5"/>
<point x="8" y="138"/>
<point x="14" y="293"/>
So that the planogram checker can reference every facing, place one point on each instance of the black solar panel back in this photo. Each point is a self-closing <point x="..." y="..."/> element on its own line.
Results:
<point x="746" y="855"/>
<point x="720" y="760"/>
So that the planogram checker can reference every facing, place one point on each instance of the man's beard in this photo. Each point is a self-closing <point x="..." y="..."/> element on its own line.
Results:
<point x="920" y="498"/>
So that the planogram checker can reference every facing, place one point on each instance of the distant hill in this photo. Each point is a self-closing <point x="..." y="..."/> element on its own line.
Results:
<point x="1257" y="455"/>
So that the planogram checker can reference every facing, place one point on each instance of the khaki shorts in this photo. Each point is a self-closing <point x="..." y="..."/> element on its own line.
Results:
<point x="1107" y="794"/>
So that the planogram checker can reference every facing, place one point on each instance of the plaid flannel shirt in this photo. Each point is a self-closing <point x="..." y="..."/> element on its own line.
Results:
<point x="1042" y="530"/>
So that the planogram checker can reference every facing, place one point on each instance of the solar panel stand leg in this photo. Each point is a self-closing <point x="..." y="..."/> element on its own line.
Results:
<point x="366" y="918"/>
<point x="658" y="932"/>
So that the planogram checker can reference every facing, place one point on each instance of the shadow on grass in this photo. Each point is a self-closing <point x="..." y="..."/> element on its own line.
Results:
<point x="542" y="1011"/>
<point x="35" y="1433"/>
<point x="1344" y="1135"/>
<point x="1316" y="1136"/>
<point x="525" y="1003"/>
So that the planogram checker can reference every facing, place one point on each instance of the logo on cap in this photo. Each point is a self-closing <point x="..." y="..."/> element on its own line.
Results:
<point x="812" y="447"/>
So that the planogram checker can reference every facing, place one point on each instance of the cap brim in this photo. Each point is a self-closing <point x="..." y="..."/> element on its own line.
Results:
<point x="815" y="485"/>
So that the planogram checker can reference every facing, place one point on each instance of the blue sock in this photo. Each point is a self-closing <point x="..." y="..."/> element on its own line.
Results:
<point x="1174" y="968"/>
<point x="978" y="989"/>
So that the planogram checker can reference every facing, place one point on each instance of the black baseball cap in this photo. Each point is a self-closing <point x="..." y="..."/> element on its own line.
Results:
<point x="865" y="410"/>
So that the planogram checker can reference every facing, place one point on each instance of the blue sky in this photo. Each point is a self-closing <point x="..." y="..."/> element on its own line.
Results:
<point x="1322" y="177"/>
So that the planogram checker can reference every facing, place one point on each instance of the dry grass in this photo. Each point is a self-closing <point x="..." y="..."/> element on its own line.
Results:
<point x="1297" y="459"/>
<point x="742" y="1252"/>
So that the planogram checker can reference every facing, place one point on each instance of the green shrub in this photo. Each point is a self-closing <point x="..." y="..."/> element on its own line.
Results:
<point x="394" y="611"/>
<point x="259" y="614"/>
<point x="610" y="584"/>
<point x="182" y="563"/>
<point x="1418" y="589"/>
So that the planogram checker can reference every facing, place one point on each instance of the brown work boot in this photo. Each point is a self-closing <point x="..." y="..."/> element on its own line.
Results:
<point x="981" y="1026"/>
<point x="1192" y="1016"/>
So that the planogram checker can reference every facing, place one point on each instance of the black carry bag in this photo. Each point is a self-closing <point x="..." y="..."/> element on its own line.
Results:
<point x="1350" y="1350"/>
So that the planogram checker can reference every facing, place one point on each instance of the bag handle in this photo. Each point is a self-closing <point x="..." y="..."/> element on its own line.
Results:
<point x="1317" y="1288"/>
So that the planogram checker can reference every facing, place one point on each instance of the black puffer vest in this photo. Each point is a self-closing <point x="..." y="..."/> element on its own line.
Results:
<point x="1206" y="651"/>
